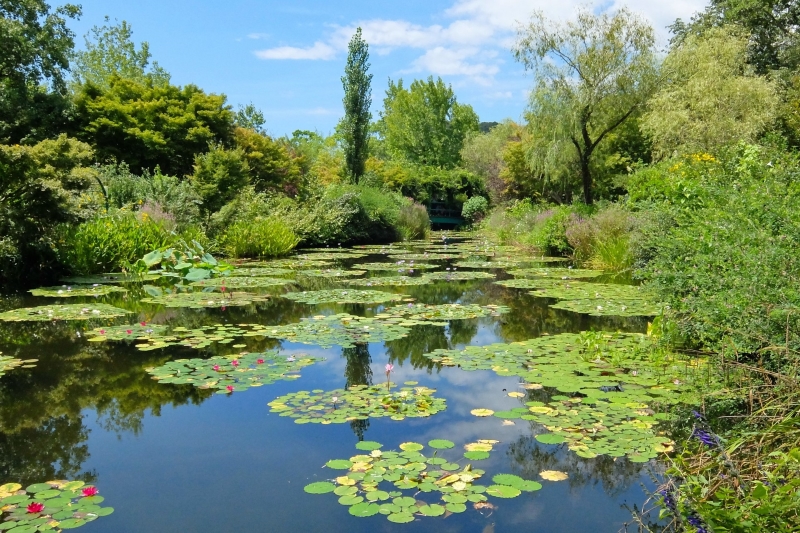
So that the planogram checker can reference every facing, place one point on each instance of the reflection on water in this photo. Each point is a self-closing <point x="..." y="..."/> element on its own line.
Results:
<point x="90" y="411"/>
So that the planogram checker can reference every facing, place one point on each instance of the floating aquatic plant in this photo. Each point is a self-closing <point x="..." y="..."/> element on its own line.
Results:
<point x="73" y="291"/>
<point x="331" y="273"/>
<point x="343" y="296"/>
<point x="374" y="483"/>
<point x="331" y="256"/>
<point x="50" y="506"/>
<point x="605" y="389"/>
<point x="504" y="264"/>
<point x="245" y="271"/>
<point x="391" y="281"/>
<point x="559" y="273"/>
<point x="417" y="314"/>
<point x="115" y="277"/>
<point x="359" y="402"/>
<point x="10" y="363"/>
<point x="201" y="300"/>
<point x="233" y="373"/>
<point x="47" y="313"/>
<point x="426" y="257"/>
<point x="578" y="290"/>
<point x="128" y="332"/>
<point x="611" y="307"/>
<point x="458" y="276"/>
<point x="291" y="264"/>
<point x="238" y="282"/>
<point x="400" y="266"/>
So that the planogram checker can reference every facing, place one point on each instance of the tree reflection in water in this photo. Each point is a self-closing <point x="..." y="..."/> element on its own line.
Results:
<point x="357" y="371"/>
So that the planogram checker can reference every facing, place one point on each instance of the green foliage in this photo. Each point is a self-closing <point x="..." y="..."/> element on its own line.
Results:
<point x="111" y="243"/>
<point x="710" y="99"/>
<point x="539" y="226"/>
<point x="475" y="209"/>
<point x="727" y="266"/>
<point x="219" y="175"/>
<point x="269" y="164"/>
<point x="484" y="154"/>
<point x="250" y="117"/>
<point x="173" y="202"/>
<point x="41" y="187"/>
<point x="593" y="73"/>
<point x="425" y="124"/>
<point x="184" y="261"/>
<point x="36" y="44"/>
<point x="354" y="126"/>
<point x="425" y="184"/>
<point x="111" y="52"/>
<point x="602" y="241"/>
<point x="268" y="237"/>
<point x="413" y="222"/>
<point x="150" y="125"/>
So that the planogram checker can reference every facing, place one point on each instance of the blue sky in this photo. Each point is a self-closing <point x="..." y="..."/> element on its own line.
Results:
<point x="288" y="57"/>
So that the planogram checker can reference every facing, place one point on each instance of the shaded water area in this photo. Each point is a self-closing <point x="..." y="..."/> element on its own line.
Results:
<point x="177" y="458"/>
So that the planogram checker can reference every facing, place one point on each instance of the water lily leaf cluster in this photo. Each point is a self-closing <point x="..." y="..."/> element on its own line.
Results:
<point x="604" y="397"/>
<point x="406" y="485"/>
<point x="558" y="273"/>
<point x="391" y="281"/>
<point x="50" y="506"/>
<point x="46" y="313"/>
<point x="8" y="363"/>
<point x="400" y="266"/>
<point x="74" y="291"/>
<point x="418" y="314"/>
<point x="458" y="276"/>
<point x="260" y="271"/>
<point x="503" y="264"/>
<point x="114" y="277"/>
<point x="343" y="296"/>
<point x="232" y="373"/>
<point x="128" y="332"/>
<point x="293" y="264"/>
<point x="426" y="257"/>
<point x="331" y="273"/>
<point x="611" y="307"/>
<point x="579" y="290"/>
<point x="359" y="402"/>
<point x="239" y="282"/>
<point x="331" y="256"/>
<point x="202" y="300"/>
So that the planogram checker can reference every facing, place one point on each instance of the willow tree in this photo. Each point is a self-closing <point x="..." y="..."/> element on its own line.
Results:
<point x="710" y="96"/>
<point x="354" y="127"/>
<point x="592" y="74"/>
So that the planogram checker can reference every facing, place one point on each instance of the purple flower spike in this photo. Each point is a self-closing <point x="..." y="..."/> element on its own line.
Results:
<point x="706" y="437"/>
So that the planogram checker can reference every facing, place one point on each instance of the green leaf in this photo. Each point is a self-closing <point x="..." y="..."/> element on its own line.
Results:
<point x="320" y="487"/>
<point x="441" y="444"/>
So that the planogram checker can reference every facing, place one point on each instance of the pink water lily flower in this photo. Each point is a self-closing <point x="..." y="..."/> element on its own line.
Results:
<point x="235" y="362"/>
<point x="260" y="361"/>
<point x="216" y="368"/>
<point x="389" y="367"/>
<point x="128" y="331"/>
<point x="88" y="492"/>
<point x="229" y="388"/>
<point x="35" y="508"/>
<point x="143" y="324"/>
<point x="102" y="332"/>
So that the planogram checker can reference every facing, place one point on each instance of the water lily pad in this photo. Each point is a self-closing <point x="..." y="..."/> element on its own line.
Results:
<point x="343" y="296"/>
<point x="320" y="487"/>
<point x="252" y="270"/>
<point x="400" y="266"/>
<point x="553" y="475"/>
<point x="46" y="313"/>
<point x="331" y="273"/>
<point x="441" y="444"/>
<point x="201" y="300"/>
<point x="415" y="314"/>
<point x="581" y="290"/>
<point x="128" y="332"/>
<point x="10" y="363"/>
<point x="411" y="446"/>
<point x="116" y="277"/>
<point x="331" y="255"/>
<point x="364" y="509"/>
<point x="390" y="281"/>
<point x="73" y="291"/>
<point x="369" y="445"/>
<point x="457" y="276"/>
<point x="291" y="264"/>
<point x="359" y="402"/>
<point x="41" y="504"/>
<point x="549" y="438"/>
<point x="476" y="455"/>
<point x="482" y="412"/>
<point x="502" y="491"/>
<point x="233" y="373"/>
<point x="432" y="510"/>
<point x="339" y="464"/>
<point x="241" y="282"/>
<point x="400" y="518"/>
<point x="559" y="273"/>
<point x="608" y="307"/>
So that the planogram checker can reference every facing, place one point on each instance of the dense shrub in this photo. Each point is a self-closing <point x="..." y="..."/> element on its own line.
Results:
<point x="270" y="165"/>
<point x="475" y="209"/>
<point x="268" y="237"/>
<point x="728" y="266"/>
<point x="219" y="176"/>
<point x="111" y="243"/>
<point x="602" y="240"/>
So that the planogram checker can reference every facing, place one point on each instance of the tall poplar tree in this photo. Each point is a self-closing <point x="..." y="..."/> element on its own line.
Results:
<point x="354" y="127"/>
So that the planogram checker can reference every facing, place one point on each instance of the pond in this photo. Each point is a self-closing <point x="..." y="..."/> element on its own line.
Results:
<point x="226" y="441"/>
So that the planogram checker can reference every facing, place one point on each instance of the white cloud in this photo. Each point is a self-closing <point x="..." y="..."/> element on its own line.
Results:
<point x="319" y="51"/>
<point x="258" y="36"/>
<point x="443" y="61"/>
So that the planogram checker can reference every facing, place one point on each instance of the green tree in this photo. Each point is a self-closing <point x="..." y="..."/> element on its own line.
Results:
<point x="146" y="124"/>
<point x="483" y="154"/>
<point x="110" y="51"/>
<point x="271" y="167"/>
<point x="250" y="117"/>
<point x="354" y="127"/>
<point x="36" y="45"/>
<point x="773" y="27"/>
<point x="425" y="124"/>
<point x="593" y="74"/>
<point x="710" y="97"/>
<point x="219" y="176"/>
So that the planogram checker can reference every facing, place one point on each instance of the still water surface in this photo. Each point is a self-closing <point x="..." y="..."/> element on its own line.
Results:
<point x="173" y="458"/>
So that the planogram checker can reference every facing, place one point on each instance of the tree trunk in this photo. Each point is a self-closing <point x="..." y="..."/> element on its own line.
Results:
<point x="586" y="177"/>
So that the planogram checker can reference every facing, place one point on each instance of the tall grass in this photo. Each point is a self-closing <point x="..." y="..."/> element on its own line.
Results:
<point x="268" y="237"/>
<point x="413" y="222"/>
